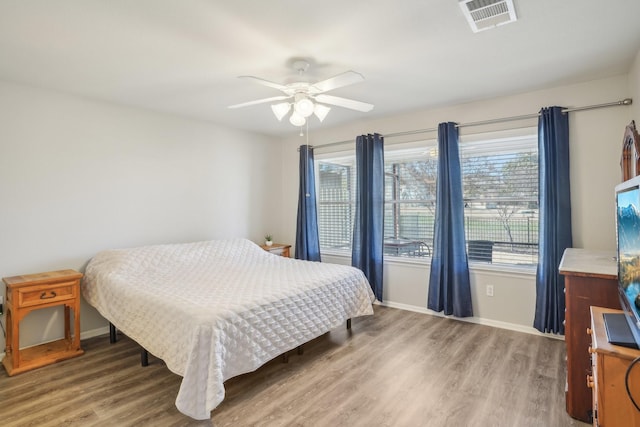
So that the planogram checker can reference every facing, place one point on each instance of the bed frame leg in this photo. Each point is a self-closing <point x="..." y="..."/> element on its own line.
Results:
<point x="112" y="333"/>
<point x="349" y="323"/>
<point x="144" y="354"/>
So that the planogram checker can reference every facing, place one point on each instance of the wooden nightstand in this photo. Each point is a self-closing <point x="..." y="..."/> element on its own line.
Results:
<point x="32" y="292"/>
<point x="278" y="249"/>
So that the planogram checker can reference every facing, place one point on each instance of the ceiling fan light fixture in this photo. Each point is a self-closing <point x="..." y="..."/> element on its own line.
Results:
<point x="303" y="105"/>
<point x="280" y="110"/>
<point x="299" y="99"/>
<point x="296" y="119"/>
<point x="321" y="111"/>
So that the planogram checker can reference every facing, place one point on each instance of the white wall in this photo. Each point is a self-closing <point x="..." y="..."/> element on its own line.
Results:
<point x="79" y="176"/>
<point x="634" y="89"/>
<point x="595" y="144"/>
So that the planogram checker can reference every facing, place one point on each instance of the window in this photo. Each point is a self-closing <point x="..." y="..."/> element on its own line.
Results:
<point x="410" y="177"/>
<point x="410" y="194"/>
<point x="336" y="202"/>
<point x="500" y="190"/>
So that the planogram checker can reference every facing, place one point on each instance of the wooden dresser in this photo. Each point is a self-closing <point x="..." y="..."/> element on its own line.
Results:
<point x="591" y="278"/>
<point x="611" y="404"/>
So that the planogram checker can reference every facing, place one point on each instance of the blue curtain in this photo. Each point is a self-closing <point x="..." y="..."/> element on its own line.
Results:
<point x="368" y="225"/>
<point x="449" y="286"/>
<point x="555" y="218"/>
<point x="307" y="238"/>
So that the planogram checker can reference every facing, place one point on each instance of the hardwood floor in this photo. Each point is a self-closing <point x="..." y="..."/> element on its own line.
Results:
<point x="396" y="368"/>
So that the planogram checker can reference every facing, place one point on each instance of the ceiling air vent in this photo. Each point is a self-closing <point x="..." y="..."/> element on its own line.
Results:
<point x="486" y="14"/>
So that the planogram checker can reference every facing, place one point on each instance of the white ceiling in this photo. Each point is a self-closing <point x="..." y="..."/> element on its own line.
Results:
<point x="183" y="56"/>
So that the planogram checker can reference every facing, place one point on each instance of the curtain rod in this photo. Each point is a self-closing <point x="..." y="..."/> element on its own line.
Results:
<point x="626" y="101"/>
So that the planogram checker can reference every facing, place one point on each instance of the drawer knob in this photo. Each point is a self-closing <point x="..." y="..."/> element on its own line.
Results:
<point x="590" y="381"/>
<point x="588" y="331"/>
<point x="591" y="350"/>
<point x="44" y="295"/>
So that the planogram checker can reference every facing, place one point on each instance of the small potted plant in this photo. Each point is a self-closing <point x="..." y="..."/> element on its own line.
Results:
<point x="268" y="240"/>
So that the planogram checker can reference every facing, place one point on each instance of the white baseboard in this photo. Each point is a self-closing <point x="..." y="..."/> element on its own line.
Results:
<point x="83" y="335"/>
<point x="477" y="320"/>
<point x="94" y="332"/>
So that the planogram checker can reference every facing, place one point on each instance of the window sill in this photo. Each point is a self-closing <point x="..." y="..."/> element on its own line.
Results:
<point x="426" y="261"/>
<point x="504" y="268"/>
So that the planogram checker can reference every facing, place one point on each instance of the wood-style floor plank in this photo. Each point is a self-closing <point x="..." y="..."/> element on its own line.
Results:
<point x="396" y="368"/>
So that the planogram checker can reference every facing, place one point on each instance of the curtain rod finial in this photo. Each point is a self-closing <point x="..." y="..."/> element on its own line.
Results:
<point x="627" y="101"/>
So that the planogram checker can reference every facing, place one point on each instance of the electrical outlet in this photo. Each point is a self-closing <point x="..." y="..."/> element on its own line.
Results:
<point x="489" y="290"/>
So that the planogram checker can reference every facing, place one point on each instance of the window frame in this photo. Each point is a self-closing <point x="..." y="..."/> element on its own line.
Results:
<point x="430" y="144"/>
<point x="529" y="135"/>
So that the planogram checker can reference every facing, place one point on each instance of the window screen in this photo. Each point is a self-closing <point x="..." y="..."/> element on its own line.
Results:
<point x="500" y="190"/>
<point x="410" y="194"/>
<point x="336" y="203"/>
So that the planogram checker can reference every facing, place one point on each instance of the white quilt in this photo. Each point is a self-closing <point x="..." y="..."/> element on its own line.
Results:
<point x="216" y="309"/>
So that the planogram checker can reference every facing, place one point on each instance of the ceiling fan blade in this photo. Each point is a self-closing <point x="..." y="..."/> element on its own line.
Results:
<point x="260" y="101"/>
<point x="344" y="102"/>
<point x="341" y="80"/>
<point x="265" y="82"/>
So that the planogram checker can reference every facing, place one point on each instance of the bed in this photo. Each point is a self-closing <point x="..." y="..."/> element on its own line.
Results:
<point x="216" y="309"/>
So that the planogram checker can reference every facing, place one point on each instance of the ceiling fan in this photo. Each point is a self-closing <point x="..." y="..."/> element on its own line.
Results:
<point x="306" y="99"/>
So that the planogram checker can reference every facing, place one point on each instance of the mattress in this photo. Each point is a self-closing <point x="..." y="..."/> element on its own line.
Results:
<point x="216" y="309"/>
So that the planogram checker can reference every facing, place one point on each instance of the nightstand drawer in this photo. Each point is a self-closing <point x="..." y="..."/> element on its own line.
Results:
<point x="38" y="295"/>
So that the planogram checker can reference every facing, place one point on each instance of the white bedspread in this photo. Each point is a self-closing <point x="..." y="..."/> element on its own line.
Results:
<point x="213" y="310"/>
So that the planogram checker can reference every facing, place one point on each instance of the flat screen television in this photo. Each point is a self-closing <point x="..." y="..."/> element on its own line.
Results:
<point x="624" y="329"/>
